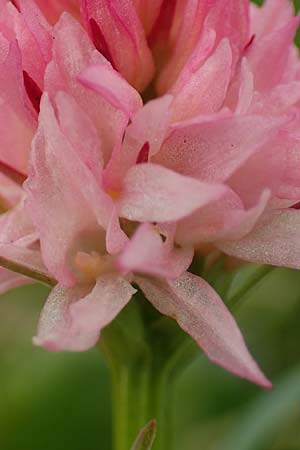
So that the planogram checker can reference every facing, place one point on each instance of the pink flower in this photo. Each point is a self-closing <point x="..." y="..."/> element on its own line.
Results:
<point x="159" y="133"/>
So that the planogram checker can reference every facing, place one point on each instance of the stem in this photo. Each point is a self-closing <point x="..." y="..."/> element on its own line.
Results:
<point x="145" y="354"/>
<point x="139" y="395"/>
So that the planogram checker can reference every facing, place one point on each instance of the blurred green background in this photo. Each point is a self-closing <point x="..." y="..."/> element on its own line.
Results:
<point x="62" y="401"/>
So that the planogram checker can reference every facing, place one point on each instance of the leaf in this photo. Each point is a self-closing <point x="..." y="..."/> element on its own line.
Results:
<point x="262" y="420"/>
<point x="146" y="437"/>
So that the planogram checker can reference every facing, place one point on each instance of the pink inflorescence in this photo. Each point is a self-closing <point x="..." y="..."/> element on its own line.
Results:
<point x="146" y="132"/>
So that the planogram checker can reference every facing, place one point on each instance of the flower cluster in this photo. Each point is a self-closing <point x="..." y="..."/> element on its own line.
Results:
<point x="134" y="134"/>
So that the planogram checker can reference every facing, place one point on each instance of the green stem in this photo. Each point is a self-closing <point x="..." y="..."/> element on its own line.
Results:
<point x="140" y="395"/>
<point x="145" y="353"/>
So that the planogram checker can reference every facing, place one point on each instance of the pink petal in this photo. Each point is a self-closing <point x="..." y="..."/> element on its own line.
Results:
<point x="274" y="167"/>
<point x="200" y="312"/>
<point x="155" y="194"/>
<point x="224" y="219"/>
<point x="146" y="252"/>
<point x="15" y="224"/>
<point x="189" y="18"/>
<point x="216" y="148"/>
<point x="61" y="212"/>
<point x="268" y="56"/>
<point x="52" y="9"/>
<point x="104" y="79"/>
<point x="95" y="311"/>
<point x="75" y="125"/>
<point x="241" y="91"/>
<point x="230" y="19"/>
<point x="149" y="126"/>
<point x="115" y="236"/>
<point x="275" y="241"/>
<point x="72" y="53"/>
<point x="205" y="91"/>
<point x="273" y="15"/>
<point x="118" y="34"/>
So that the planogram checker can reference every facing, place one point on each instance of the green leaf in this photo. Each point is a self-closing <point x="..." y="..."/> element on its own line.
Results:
<point x="146" y="437"/>
<point x="261" y="422"/>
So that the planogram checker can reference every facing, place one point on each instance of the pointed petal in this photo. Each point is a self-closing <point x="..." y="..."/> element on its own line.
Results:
<point x="152" y="193"/>
<point x="275" y="241"/>
<point x="201" y="313"/>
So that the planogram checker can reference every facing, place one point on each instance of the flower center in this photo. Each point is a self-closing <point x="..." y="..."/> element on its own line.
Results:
<point x="91" y="265"/>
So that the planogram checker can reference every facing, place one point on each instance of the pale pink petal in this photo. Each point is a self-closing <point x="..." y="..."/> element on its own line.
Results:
<point x="278" y="101"/>
<point x="118" y="34"/>
<point x="275" y="167"/>
<point x="75" y="125"/>
<point x="11" y="280"/>
<point x="224" y="219"/>
<point x="55" y="331"/>
<point x="146" y="252"/>
<point x="205" y="91"/>
<point x="59" y="209"/>
<point x="103" y="79"/>
<point x="148" y="129"/>
<point x="213" y="150"/>
<point x="275" y="241"/>
<point x="268" y="56"/>
<point x="115" y="236"/>
<point x="200" y="312"/>
<point x="156" y="194"/>
<point x="15" y="224"/>
<point x="95" y="311"/>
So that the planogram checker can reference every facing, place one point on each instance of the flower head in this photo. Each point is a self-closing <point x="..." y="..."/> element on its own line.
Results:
<point x="147" y="135"/>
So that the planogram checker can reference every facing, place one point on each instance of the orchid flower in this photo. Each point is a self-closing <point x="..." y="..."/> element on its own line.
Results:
<point x="148" y="136"/>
